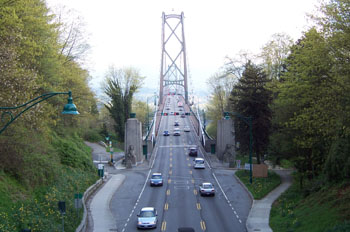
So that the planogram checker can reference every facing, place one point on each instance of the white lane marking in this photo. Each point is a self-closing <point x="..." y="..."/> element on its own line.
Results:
<point x="224" y="193"/>
<point x="138" y="199"/>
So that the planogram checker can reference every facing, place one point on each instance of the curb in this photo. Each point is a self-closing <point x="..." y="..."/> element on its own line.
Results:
<point x="92" y="189"/>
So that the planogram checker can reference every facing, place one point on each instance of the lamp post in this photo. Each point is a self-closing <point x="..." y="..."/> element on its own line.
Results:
<point x="249" y="121"/>
<point x="69" y="108"/>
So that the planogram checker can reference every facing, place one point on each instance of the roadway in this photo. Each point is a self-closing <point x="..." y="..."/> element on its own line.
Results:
<point x="178" y="202"/>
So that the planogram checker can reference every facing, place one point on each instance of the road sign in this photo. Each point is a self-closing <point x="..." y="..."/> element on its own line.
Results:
<point x="247" y="166"/>
<point x="238" y="163"/>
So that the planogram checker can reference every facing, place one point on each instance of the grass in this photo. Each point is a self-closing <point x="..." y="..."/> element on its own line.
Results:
<point x="323" y="211"/>
<point x="260" y="186"/>
<point x="29" y="199"/>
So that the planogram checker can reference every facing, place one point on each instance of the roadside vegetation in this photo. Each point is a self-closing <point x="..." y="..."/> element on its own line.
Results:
<point x="260" y="186"/>
<point x="298" y="94"/>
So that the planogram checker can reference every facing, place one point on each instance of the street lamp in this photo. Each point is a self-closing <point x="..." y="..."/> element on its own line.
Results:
<point x="249" y="121"/>
<point x="69" y="108"/>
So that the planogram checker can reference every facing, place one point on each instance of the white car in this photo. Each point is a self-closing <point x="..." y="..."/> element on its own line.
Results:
<point x="176" y="132"/>
<point x="147" y="218"/>
<point x="187" y="129"/>
<point x="198" y="163"/>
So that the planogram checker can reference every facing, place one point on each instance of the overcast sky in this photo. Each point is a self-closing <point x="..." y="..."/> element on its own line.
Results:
<point x="128" y="32"/>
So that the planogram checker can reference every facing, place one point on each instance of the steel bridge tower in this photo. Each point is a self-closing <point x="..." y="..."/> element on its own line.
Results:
<point x="173" y="71"/>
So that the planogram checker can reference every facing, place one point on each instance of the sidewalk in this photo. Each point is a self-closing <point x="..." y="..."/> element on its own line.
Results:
<point x="259" y="215"/>
<point x="103" y="219"/>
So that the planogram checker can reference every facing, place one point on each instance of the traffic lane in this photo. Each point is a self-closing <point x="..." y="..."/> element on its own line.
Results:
<point x="218" y="213"/>
<point x="152" y="196"/>
<point x="181" y="197"/>
<point x="236" y="194"/>
<point x="123" y="201"/>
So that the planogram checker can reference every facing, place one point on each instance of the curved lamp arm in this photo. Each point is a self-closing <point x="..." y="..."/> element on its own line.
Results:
<point x="69" y="108"/>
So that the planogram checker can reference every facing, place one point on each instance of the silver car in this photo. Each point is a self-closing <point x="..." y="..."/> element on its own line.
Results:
<point x="147" y="218"/>
<point x="206" y="189"/>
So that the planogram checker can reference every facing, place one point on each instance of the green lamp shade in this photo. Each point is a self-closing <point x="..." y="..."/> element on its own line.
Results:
<point x="70" y="108"/>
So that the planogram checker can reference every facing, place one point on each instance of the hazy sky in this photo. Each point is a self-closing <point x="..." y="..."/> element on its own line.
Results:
<point x="128" y="32"/>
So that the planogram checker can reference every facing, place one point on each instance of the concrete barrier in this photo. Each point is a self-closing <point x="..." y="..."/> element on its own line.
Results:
<point x="87" y="194"/>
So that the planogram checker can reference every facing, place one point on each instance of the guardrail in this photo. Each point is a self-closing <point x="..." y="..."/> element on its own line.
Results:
<point x="87" y="193"/>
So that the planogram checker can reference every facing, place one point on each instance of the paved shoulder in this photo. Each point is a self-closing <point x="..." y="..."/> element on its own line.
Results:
<point x="259" y="216"/>
<point x="103" y="219"/>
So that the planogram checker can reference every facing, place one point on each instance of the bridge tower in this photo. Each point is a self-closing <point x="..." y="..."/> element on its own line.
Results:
<point x="173" y="71"/>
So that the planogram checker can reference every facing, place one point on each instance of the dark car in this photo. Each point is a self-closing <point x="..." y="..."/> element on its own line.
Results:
<point x="193" y="151"/>
<point x="166" y="133"/>
<point x="176" y="123"/>
<point x="185" y="229"/>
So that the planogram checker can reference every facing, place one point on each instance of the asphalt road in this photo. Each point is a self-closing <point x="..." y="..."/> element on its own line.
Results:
<point x="178" y="202"/>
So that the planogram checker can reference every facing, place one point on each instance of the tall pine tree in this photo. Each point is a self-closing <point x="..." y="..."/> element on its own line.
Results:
<point x="251" y="98"/>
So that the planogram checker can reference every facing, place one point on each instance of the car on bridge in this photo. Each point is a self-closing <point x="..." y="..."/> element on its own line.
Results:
<point x="176" y="123"/>
<point x="166" y="133"/>
<point x="193" y="151"/>
<point x="147" y="218"/>
<point x="187" y="129"/>
<point x="207" y="189"/>
<point x="198" y="163"/>
<point x="176" y="132"/>
<point x="156" y="179"/>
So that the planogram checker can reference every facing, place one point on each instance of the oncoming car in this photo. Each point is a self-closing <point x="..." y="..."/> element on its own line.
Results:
<point x="166" y="133"/>
<point x="198" y="163"/>
<point x="156" y="179"/>
<point x="176" y="132"/>
<point x="147" y="218"/>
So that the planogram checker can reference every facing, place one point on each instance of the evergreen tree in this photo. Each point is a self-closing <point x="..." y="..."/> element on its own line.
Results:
<point x="251" y="98"/>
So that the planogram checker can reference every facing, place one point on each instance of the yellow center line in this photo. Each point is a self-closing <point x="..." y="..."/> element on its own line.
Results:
<point x="198" y="206"/>
<point x="203" y="225"/>
<point x="189" y="165"/>
<point x="168" y="192"/>
<point x="191" y="172"/>
<point x="163" y="226"/>
<point x="166" y="206"/>
<point x="194" y="191"/>
<point x="169" y="181"/>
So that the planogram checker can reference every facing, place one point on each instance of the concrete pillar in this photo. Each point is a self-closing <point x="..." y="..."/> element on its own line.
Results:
<point x="225" y="140"/>
<point x="133" y="141"/>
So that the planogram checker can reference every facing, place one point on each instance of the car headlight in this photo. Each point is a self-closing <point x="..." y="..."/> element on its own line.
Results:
<point x="139" y="222"/>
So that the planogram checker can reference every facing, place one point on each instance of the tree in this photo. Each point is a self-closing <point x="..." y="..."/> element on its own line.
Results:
<point x="307" y="105"/>
<point x="120" y="86"/>
<point x="274" y="53"/>
<point x="220" y="85"/>
<point x="251" y="98"/>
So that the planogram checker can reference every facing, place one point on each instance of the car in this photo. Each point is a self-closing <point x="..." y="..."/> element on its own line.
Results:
<point x="176" y="123"/>
<point x="183" y="115"/>
<point x="156" y="179"/>
<point x="166" y="133"/>
<point x="147" y="218"/>
<point x="185" y="229"/>
<point x="198" y="163"/>
<point x="171" y="113"/>
<point x="193" y="151"/>
<point x="167" y="108"/>
<point x="187" y="129"/>
<point x="176" y="132"/>
<point x="207" y="189"/>
<point x="180" y="109"/>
